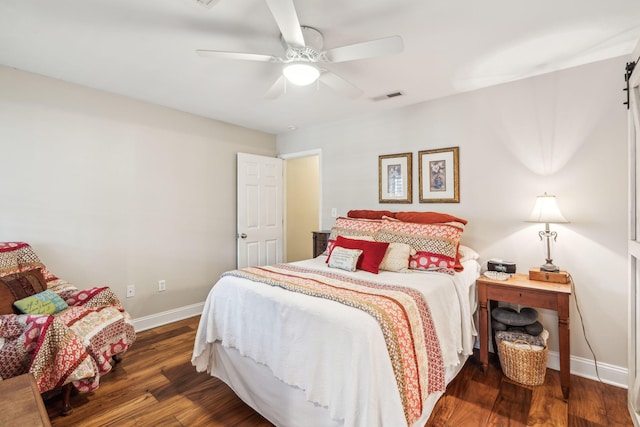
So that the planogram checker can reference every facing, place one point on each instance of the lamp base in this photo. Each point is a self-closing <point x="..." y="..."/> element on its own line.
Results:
<point x="560" y="276"/>
<point x="549" y="266"/>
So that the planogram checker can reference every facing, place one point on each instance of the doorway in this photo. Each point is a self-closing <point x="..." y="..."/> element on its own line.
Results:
<point x="302" y="203"/>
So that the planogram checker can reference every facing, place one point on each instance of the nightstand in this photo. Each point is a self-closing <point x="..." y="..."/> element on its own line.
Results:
<point x="320" y="240"/>
<point x="531" y="293"/>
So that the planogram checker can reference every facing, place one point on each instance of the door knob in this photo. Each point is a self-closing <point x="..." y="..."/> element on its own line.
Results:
<point x="243" y="236"/>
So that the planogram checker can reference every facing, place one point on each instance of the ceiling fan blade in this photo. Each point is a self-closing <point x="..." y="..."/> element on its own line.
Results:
<point x="340" y="85"/>
<point x="276" y="89"/>
<point x="237" y="55"/>
<point x="370" y="49"/>
<point x="284" y="13"/>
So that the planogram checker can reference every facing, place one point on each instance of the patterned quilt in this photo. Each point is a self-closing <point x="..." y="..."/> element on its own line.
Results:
<point x="403" y="315"/>
<point x="48" y="349"/>
<point x="75" y="345"/>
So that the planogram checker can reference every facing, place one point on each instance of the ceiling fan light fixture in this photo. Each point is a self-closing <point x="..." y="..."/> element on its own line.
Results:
<point x="301" y="73"/>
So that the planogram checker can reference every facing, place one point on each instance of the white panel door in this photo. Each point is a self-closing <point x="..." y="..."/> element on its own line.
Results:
<point x="634" y="243"/>
<point x="260" y="205"/>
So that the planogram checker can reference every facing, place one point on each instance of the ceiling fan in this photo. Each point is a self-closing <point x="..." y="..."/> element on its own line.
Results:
<point x="304" y="54"/>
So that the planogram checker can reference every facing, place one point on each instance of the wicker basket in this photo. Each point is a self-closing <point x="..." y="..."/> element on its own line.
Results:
<point x="524" y="365"/>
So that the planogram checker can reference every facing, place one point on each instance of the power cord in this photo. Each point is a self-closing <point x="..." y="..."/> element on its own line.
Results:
<point x="584" y="332"/>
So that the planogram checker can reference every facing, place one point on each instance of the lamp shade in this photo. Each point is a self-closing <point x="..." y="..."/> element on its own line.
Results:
<point x="546" y="210"/>
<point x="301" y="73"/>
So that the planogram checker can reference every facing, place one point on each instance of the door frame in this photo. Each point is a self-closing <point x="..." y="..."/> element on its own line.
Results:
<point x="633" y="118"/>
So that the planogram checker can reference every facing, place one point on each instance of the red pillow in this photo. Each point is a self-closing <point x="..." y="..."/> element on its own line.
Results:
<point x="370" y="214"/>
<point x="372" y="252"/>
<point x="428" y="217"/>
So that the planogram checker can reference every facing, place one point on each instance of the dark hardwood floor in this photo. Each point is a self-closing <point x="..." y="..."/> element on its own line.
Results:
<point x="155" y="385"/>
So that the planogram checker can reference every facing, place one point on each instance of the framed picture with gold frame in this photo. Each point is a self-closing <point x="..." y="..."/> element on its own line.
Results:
<point x="439" y="175"/>
<point x="394" y="178"/>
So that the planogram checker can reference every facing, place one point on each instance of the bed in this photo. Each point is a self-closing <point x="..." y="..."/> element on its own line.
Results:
<point x="308" y="343"/>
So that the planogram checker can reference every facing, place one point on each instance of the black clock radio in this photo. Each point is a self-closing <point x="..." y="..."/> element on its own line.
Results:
<point x="495" y="264"/>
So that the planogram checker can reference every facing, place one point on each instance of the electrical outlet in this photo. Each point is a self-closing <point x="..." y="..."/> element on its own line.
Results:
<point x="334" y="212"/>
<point x="162" y="285"/>
<point x="131" y="291"/>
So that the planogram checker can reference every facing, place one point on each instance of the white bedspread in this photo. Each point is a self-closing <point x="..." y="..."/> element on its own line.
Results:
<point x="336" y="354"/>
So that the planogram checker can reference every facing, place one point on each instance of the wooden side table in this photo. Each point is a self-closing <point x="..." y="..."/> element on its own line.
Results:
<point x="320" y="240"/>
<point x="21" y="403"/>
<point x="531" y="293"/>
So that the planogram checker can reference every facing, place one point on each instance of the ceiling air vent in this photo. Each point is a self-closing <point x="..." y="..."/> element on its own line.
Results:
<point x="207" y="3"/>
<point x="387" y="96"/>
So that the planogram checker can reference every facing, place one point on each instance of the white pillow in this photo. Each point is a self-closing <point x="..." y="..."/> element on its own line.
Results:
<point x="466" y="253"/>
<point x="344" y="259"/>
<point x="397" y="257"/>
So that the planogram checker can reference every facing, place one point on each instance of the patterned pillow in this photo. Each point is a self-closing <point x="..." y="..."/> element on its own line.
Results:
<point x="353" y="228"/>
<point x="344" y="259"/>
<point x="46" y="302"/>
<point x="436" y="245"/>
<point x="19" y="285"/>
<point x="397" y="257"/>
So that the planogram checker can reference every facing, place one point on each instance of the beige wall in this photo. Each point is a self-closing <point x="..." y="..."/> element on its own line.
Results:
<point x="302" y="194"/>
<point x="112" y="191"/>
<point x="564" y="133"/>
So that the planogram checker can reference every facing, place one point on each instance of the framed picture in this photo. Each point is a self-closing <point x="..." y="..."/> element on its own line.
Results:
<point x="394" y="178"/>
<point x="439" y="175"/>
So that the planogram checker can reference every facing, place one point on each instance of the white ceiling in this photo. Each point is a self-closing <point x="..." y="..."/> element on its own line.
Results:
<point x="145" y="49"/>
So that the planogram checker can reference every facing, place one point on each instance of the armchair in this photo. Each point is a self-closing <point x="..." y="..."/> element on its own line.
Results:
<point x="68" y="341"/>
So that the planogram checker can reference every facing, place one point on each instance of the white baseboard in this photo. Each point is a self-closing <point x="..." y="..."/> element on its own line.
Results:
<point x="609" y="374"/>
<point x="159" y="319"/>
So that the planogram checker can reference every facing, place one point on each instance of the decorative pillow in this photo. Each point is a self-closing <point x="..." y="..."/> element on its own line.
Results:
<point x="344" y="259"/>
<point x="352" y="228"/>
<point x="466" y="253"/>
<point x="429" y="218"/>
<point x="46" y="302"/>
<point x="373" y="252"/>
<point x="436" y="245"/>
<point x="397" y="257"/>
<point x="369" y="214"/>
<point x="19" y="285"/>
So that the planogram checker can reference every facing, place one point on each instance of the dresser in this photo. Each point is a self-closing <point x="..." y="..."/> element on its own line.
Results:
<point x="320" y="239"/>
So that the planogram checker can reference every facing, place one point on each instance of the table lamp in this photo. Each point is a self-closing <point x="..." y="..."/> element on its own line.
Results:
<point x="546" y="211"/>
